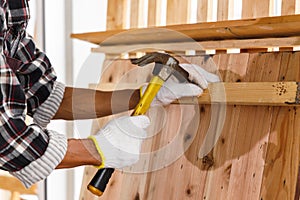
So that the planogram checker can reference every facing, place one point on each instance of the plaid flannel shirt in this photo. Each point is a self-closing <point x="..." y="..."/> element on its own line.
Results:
<point x="28" y="87"/>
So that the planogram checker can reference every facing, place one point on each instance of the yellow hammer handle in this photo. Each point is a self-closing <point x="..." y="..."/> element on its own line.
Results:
<point x="148" y="96"/>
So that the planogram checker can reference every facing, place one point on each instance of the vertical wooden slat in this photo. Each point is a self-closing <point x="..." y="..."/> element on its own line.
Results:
<point x="115" y="14"/>
<point x="177" y="11"/>
<point x="134" y="13"/>
<point x="152" y="13"/>
<point x="255" y="8"/>
<point x="222" y="12"/>
<point x="288" y="7"/>
<point x="232" y="10"/>
<point x="297" y="194"/>
<point x="137" y="13"/>
<point x="202" y="10"/>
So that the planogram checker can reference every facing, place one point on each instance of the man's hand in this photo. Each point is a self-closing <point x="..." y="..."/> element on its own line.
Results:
<point x="199" y="79"/>
<point x="119" y="141"/>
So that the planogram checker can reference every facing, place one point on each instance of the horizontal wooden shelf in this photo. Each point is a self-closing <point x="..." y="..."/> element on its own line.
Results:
<point x="203" y="45"/>
<point x="241" y="93"/>
<point x="281" y="26"/>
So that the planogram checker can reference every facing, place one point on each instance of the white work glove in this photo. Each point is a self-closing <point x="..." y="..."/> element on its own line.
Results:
<point x="119" y="141"/>
<point x="171" y="90"/>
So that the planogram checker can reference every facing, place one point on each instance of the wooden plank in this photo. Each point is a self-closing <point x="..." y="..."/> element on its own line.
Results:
<point x="202" y="10"/>
<point x="177" y="12"/>
<point x="248" y="44"/>
<point x="297" y="194"/>
<point x="282" y="26"/>
<point x="153" y="14"/>
<point x="288" y="7"/>
<point x="14" y="185"/>
<point x="137" y="14"/>
<point x="222" y="10"/>
<point x="115" y="14"/>
<point x="242" y="93"/>
<point x="255" y="8"/>
<point x="134" y="13"/>
<point x="279" y="93"/>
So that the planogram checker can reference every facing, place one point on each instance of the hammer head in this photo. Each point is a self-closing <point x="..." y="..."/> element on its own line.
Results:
<point x="165" y="66"/>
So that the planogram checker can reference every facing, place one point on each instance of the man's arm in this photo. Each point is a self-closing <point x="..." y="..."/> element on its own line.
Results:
<point x="78" y="103"/>
<point x="80" y="152"/>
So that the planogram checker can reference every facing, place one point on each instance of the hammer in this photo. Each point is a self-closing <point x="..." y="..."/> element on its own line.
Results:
<point x="165" y="66"/>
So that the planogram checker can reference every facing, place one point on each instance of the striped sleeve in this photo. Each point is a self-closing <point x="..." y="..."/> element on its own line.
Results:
<point x="47" y="110"/>
<point x="43" y="166"/>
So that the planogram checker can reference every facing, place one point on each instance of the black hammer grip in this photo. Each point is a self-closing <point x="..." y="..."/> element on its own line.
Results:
<point x="100" y="180"/>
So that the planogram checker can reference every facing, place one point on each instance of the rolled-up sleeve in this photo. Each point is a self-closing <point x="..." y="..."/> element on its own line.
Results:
<point x="38" y="78"/>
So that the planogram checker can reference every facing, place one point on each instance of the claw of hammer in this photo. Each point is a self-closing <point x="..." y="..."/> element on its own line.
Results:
<point x="161" y="60"/>
<point x="156" y="57"/>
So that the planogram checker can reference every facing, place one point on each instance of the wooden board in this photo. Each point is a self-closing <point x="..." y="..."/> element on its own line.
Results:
<point x="177" y="11"/>
<point x="14" y="185"/>
<point x="255" y="8"/>
<point x="288" y="7"/>
<point x="282" y="26"/>
<point x="256" y="93"/>
<point x="223" y="9"/>
<point x="200" y="47"/>
<point x="202" y="10"/>
<point x="153" y="13"/>
<point x="242" y="93"/>
<point x="115" y="14"/>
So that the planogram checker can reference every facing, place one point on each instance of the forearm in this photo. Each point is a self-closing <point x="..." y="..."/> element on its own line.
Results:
<point x="80" y="152"/>
<point x="88" y="103"/>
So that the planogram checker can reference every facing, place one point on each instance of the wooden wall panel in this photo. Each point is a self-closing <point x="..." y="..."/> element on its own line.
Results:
<point x="137" y="14"/>
<point x="177" y="11"/>
<point x="202" y="10"/>
<point x="288" y="7"/>
<point x="153" y="13"/>
<point x="256" y="143"/>
<point x="115" y="14"/>
<point x="222" y="10"/>
<point x="255" y="8"/>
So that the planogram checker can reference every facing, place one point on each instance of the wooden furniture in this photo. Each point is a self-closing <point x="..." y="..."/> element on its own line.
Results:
<point x="210" y="151"/>
<point x="16" y="187"/>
